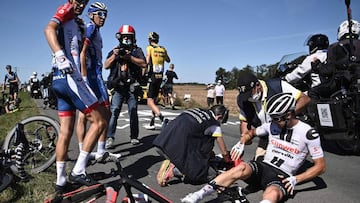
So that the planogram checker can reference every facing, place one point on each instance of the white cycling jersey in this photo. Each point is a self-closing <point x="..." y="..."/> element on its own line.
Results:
<point x="288" y="151"/>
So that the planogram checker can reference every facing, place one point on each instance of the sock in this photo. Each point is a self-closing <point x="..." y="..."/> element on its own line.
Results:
<point x="152" y="122"/>
<point x="161" y="117"/>
<point x="81" y="162"/>
<point x="80" y="146"/>
<point x="265" y="201"/>
<point x="205" y="191"/>
<point x="101" y="147"/>
<point x="60" y="173"/>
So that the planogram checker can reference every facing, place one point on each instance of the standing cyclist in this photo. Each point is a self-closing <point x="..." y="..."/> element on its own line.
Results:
<point x="91" y="71"/>
<point x="65" y="34"/>
<point x="156" y="56"/>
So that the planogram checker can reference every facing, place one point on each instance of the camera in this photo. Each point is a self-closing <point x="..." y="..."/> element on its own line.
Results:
<point x="124" y="49"/>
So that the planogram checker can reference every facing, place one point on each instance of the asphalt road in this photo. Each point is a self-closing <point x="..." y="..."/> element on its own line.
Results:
<point x="338" y="184"/>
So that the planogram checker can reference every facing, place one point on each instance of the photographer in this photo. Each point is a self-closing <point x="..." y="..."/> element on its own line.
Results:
<point x="125" y="62"/>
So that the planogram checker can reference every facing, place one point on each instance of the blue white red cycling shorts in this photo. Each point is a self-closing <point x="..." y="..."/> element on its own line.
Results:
<point x="73" y="94"/>
<point x="97" y="85"/>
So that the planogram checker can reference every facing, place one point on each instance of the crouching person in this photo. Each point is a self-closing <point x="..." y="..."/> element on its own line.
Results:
<point x="187" y="143"/>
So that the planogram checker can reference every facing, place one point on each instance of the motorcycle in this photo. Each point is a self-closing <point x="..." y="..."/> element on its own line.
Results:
<point x="35" y="90"/>
<point x="336" y="118"/>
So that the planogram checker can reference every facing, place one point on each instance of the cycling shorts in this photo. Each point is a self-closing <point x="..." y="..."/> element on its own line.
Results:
<point x="97" y="85"/>
<point x="73" y="94"/>
<point x="264" y="175"/>
<point x="154" y="88"/>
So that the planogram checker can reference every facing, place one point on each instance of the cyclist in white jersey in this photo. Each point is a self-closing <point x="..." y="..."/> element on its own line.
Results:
<point x="65" y="33"/>
<point x="290" y="141"/>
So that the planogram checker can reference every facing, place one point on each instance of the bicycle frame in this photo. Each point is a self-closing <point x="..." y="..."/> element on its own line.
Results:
<point x="111" y="189"/>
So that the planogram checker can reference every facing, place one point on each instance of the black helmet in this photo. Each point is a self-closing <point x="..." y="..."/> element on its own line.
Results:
<point x="317" y="42"/>
<point x="218" y="110"/>
<point x="153" y="36"/>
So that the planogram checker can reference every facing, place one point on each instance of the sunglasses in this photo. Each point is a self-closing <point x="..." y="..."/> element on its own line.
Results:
<point x="278" y="118"/>
<point x="101" y="14"/>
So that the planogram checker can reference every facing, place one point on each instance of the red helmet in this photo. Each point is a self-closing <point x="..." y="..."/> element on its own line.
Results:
<point x="125" y="29"/>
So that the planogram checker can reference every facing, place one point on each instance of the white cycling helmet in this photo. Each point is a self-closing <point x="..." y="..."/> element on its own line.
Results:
<point x="279" y="104"/>
<point x="343" y="30"/>
<point x="34" y="73"/>
<point x="97" y="6"/>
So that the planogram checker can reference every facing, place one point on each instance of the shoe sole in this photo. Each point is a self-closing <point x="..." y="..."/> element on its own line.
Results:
<point x="149" y="127"/>
<point x="163" y="174"/>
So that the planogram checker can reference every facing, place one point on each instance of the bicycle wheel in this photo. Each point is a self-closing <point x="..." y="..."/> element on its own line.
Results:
<point x="41" y="133"/>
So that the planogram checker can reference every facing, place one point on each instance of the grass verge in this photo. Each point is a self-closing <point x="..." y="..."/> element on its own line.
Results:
<point x="40" y="185"/>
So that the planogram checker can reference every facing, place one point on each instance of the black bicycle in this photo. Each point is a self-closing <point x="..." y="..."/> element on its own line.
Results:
<point x="38" y="135"/>
<point x="110" y="190"/>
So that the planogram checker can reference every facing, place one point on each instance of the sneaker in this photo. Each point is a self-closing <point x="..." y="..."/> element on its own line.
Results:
<point x="109" y="143"/>
<point x="135" y="141"/>
<point x="191" y="198"/>
<point x="82" y="179"/>
<point x="100" y="158"/>
<point x="109" y="157"/>
<point x="60" y="190"/>
<point x="165" y="172"/>
<point x="149" y="127"/>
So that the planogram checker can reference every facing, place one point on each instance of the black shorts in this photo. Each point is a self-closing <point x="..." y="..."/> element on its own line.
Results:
<point x="264" y="175"/>
<point x="168" y="89"/>
<point x="14" y="88"/>
<point x="154" y="88"/>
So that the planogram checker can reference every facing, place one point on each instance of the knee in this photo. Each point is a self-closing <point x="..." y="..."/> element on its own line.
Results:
<point x="102" y="124"/>
<point x="272" y="193"/>
<point x="238" y="172"/>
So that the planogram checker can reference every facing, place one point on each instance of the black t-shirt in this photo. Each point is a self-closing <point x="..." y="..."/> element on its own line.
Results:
<point x="170" y="76"/>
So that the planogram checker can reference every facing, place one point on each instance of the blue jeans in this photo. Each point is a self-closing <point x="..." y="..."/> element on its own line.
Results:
<point x="118" y="98"/>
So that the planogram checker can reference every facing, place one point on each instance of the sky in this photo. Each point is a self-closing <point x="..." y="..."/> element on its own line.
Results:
<point x="200" y="35"/>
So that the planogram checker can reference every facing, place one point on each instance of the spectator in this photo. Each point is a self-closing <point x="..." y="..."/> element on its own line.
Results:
<point x="210" y="98"/>
<point x="219" y="92"/>
<point x="170" y="75"/>
<point x="277" y="173"/>
<point x="13" y="80"/>
<point x="187" y="142"/>
<point x="125" y="62"/>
